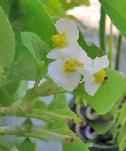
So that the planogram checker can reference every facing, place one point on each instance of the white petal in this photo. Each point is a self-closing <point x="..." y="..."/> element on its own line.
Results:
<point x="91" y="87"/>
<point x="72" y="51"/>
<point x="69" y="81"/>
<point x="88" y="76"/>
<point x="69" y="27"/>
<point x="100" y="63"/>
<point x="78" y="53"/>
<point x="53" y="54"/>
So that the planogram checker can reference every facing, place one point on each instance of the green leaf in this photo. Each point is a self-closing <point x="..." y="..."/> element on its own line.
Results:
<point x="116" y="10"/>
<point x="27" y="145"/>
<point x="58" y="102"/>
<point x="54" y="7"/>
<point x="35" y="45"/>
<point x="91" y="49"/>
<point x="108" y="94"/>
<point x="101" y="127"/>
<point x="7" y="5"/>
<point x="59" y="105"/>
<point x="24" y="67"/>
<point x="7" y="42"/>
<point x="32" y="17"/>
<point x="58" y="8"/>
<point x="76" y="146"/>
<point x="13" y="149"/>
<point x="29" y="16"/>
<point x="122" y="115"/>
<point x="74" y="3"/>
<point x="7" y="92"/>
<point x="122" y="138"/>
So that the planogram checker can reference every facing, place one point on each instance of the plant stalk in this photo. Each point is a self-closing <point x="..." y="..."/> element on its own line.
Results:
<point x="34" y="132"/>
<point x="102" y="22"/>
<point x="110" y="53"/>
<point x="119" y="52"/>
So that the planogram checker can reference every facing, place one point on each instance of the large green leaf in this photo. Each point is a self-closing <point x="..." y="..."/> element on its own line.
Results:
<point x="29" y="16"/>
<point x="7" y="42"/>
<point x="6" y="5"/>
<point x="32" y="17"/>
<point x="116" y="10"/>
<point x="108" y="94"/>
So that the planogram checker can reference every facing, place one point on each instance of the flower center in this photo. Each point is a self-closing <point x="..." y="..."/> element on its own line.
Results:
<point x="101" y="77"/>
<point x="60" y="40"/>
<point x="71" y="65"/>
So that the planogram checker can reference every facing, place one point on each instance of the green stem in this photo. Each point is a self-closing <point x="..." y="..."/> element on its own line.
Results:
<point x="45" y="115"/>
<point x="34" y="132"/>
<point x="110" y="53"/>
<point x="102" y="22"/>
<point x="119" y="52"/>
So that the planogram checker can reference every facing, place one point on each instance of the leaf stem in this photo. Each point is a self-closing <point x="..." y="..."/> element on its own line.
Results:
<point x="102" y="22"/>
<point x="110" y="53"/>
<point x="119" y="52"/>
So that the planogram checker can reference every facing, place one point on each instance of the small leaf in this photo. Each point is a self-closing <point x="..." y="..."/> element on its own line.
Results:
<point x="35" y="45"/>
<point x="101" y="127"/>
<point x="60" y="106"/>
<point x="27" y="145"/>
<point x="24" y="67"/>
<point x="13" y="149"/>
<point x="76" y="146"/>
<point x="7" y="92"/>
<point x="7" y="42"/>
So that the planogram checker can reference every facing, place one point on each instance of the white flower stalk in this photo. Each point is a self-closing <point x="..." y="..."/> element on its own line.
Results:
<point x="66" y="72"/>
<point x="96" y="76"/>
<point x="66" y="38"/>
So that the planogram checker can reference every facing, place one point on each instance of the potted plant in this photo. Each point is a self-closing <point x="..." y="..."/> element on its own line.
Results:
<point x="43" y="52"/>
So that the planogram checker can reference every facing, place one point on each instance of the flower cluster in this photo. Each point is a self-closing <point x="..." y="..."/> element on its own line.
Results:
<point x="72" y="62"/>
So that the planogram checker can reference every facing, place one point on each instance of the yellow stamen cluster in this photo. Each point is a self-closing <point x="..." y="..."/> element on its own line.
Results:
<point x="71" y="65"/>
<point x="100" y="77"/>
<point x="60" y="40"/>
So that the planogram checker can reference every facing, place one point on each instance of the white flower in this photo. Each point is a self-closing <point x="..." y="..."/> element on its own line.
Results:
<point x="66" y="72"/>
<point x="66" y="38"/>
<point x="96" y="76"/>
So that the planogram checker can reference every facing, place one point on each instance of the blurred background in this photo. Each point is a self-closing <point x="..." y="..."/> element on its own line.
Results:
<point x="89" y="17"/>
